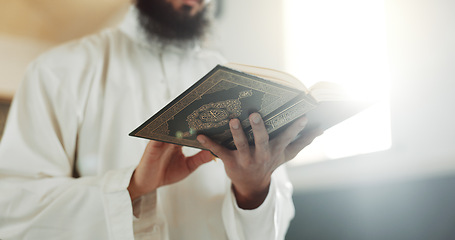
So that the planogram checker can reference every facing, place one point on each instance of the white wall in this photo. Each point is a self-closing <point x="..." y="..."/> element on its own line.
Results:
<point x="251" y="32"/>
<point x="422" y="49"/>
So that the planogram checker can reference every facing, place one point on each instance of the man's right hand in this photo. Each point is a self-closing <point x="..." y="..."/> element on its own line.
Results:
<point x="163" y="164"/>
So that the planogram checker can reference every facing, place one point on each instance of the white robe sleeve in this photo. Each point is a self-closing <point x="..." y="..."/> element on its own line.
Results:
<point x="39" y="197"/>
<point x="268" y="221"/>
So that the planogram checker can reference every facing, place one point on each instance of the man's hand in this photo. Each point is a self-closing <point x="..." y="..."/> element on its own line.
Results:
<point x="250" y="167"/>
<point x="163" y="164"/>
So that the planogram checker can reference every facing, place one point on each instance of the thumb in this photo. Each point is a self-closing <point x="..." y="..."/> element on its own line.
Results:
<point x="198" y="159"/>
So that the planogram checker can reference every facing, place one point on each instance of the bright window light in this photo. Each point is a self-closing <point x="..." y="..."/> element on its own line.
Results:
<point x="342" y="42"/>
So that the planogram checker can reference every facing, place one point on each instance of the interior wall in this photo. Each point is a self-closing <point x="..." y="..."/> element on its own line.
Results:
<point x="422" y="50"/>
<point x="251" y="32"/>
<point x="57" y="21"/>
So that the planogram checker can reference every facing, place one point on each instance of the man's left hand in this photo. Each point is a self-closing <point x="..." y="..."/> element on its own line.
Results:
<point x="250" y="167"/>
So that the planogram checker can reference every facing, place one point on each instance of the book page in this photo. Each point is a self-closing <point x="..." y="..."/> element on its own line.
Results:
<point x="269" y="74"/>
<point x="328" y="91"/>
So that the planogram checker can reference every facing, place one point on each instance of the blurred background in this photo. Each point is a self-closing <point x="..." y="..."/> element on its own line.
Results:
<point x="387" y="173"/>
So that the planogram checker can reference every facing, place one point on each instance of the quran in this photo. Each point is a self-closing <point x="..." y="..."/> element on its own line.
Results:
<point x="235" y="91"/>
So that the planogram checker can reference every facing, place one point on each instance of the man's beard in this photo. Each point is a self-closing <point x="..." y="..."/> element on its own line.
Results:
<point x="161" y="21"/>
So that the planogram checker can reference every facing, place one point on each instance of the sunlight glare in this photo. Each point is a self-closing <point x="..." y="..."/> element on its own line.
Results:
<point x="342" y="42"/>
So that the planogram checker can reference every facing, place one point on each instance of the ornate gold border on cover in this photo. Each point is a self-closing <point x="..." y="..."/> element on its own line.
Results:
<point x="284" y="117"/>
<point x="219" y="75"/>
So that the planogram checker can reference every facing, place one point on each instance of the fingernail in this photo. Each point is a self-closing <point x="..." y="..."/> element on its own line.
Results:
<point x="235" y="125"/>
<point x="201" y="139"/>
<point x="256" y="119"/>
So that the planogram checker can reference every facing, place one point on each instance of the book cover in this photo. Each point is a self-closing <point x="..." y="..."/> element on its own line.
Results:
<point x="222" y="94"/>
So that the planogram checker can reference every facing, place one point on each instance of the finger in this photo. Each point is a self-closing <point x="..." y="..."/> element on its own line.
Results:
<point x="296" y="146"/>
<point x="200" y="158"/>
<point x="222" y="152"/>
<point x="153" y="150"/>
<point x="170" y="151"/>
<point x="261" y="137"/>
<point x="289" y="134"/>
<point x="240" y="140"/>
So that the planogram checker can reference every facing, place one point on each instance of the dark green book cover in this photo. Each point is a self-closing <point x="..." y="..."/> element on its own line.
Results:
<point x="224" y="93"/>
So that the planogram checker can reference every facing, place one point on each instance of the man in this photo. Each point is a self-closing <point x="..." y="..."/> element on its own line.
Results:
<point x="68" y="170"/>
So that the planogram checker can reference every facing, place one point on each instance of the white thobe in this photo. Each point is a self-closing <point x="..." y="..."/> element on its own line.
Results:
<point x="66" y="158"/>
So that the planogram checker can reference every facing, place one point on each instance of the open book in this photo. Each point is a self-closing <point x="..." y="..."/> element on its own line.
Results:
<point x="235" y="91"/>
